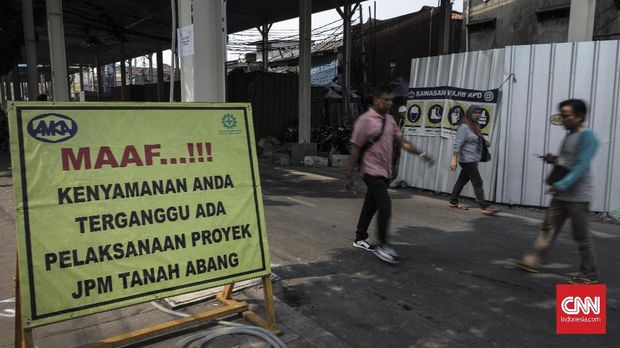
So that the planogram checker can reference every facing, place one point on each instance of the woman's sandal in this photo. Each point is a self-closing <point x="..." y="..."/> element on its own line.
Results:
<point x="489" y="211"/>
<point x="458" y="206"/>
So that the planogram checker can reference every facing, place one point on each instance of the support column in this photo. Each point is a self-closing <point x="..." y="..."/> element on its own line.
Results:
<point x="101" y="81"/>
<point x="129" y="71"/>
<point x="581" y="20"/>
<point x="58" y="59"/>
<point x="81" y="92"/>
<point x="43" y="83"/>
<point x="3" y="92"/>
<point x="203" y="71"/>
<point x="264" y="30"/>
<point x="160" y="75"/>
<point x="93" y="79"/>
<point x="151" y="77"/>
<point x="81" y="78"/>
<point x="123" y="72"/>
<point x="99" y="78"/>
<point x="31" y="49"/>
<point x="305" y="27"/>
<point x="17" y="93"/>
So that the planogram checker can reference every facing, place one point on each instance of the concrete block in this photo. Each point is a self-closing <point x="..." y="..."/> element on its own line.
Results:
<point x="315" y="161"/>
<point x="338" y="160"/>
<point x="299" y="151"/>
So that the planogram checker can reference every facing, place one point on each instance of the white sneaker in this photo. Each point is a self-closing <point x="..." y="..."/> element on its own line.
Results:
<point x="364" y="244"/>
<point x="387" y="254"/>
<point x="388" y="249"/>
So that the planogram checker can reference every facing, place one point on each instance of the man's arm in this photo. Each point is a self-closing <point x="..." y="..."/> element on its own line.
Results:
<point x="353" y="157"/>
<point x="588" y="145"/>
<point x="409" y="147"/>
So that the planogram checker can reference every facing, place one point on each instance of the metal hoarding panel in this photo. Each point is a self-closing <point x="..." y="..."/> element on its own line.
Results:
<point x="545" y="75"/>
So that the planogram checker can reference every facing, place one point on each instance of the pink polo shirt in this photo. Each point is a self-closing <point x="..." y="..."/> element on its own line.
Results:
<point x="378" y="159"/>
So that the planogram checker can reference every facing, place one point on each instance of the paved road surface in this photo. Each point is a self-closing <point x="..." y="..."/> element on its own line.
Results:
<point x="454" y="288"/>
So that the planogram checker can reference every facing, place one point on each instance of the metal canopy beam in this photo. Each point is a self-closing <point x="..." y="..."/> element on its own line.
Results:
<point x="107" y="23"/>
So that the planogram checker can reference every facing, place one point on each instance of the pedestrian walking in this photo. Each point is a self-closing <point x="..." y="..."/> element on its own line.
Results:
<point x="374" y="135"/>
<point x="571" y="186"/>
<point x="467" y="153"/>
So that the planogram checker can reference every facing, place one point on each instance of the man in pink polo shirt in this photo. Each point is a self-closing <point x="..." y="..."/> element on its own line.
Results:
<point x="374" y="135"/>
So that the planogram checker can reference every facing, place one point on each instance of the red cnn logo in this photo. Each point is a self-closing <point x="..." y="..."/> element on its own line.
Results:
<point x="581" y="309"/>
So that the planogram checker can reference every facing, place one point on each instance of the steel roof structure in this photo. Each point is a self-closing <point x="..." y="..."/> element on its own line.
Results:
<point x="100" y="27"/>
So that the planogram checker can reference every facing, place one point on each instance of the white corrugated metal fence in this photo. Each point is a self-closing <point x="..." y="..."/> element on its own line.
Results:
<point x="545" y="75"/>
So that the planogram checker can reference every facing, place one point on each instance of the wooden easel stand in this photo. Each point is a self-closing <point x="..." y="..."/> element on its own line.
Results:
<point x="24" y="339"/>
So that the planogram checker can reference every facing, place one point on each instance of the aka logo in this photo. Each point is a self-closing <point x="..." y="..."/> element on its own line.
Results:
<point x="573" y="305"/>
<point x="52" y="128"/>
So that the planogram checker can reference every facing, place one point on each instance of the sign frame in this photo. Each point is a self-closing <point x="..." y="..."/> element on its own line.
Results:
<point x="21" y="185"/>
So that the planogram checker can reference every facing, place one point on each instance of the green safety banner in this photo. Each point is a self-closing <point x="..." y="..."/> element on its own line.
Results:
<point x="122" y="203"/>
<point x="438" y="110"/>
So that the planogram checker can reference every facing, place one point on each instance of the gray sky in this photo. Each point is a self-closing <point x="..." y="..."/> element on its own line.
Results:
<point x="385" y="9"/>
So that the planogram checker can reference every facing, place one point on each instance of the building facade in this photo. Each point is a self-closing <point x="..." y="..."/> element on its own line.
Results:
<point x="500" y="23"/>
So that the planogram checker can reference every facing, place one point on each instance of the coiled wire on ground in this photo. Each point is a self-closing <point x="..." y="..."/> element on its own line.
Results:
<point x="201" y="338"/>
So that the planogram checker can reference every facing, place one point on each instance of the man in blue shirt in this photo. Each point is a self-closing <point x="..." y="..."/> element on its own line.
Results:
<point x="572" y="194"/>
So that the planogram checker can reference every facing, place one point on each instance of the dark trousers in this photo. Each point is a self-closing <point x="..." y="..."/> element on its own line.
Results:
<point x="377" y="200"/>
<point x="557" y="214"/>
<point x="469" y="172"/>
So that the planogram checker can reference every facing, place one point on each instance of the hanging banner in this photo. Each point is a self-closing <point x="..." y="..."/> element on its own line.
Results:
<point x="122" y="203"/>
<point x="437" y="111"/>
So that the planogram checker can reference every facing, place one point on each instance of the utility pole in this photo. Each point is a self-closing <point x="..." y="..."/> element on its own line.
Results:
<point x="151" y="77"/>
<point x="374" y="45"/>
<point x="346" y="15"/>
<point x="446" y="8"/>
<point x="363" y="55"/>
<point x="305" y="63"/>
<point x="264" y="31"/>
